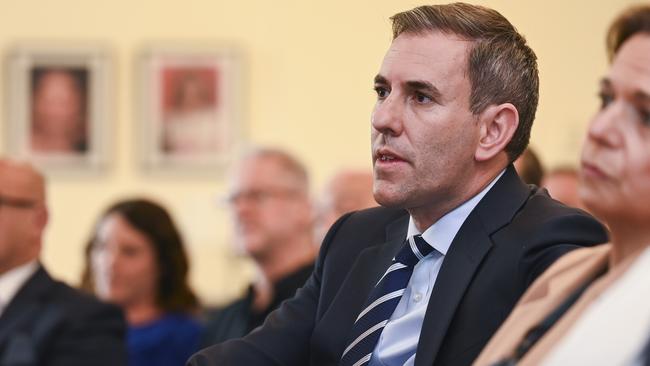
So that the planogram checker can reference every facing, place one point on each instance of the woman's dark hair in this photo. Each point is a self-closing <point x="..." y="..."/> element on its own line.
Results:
<point x="153" y="220"/>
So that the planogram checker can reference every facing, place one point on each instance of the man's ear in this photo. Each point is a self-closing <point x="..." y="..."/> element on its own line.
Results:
<point x="498" y="125"/>
<point x="42" y="217"/>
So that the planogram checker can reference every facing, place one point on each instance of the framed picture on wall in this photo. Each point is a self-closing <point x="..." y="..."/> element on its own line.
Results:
<point x="190" y="108"/>
<point x="58" y="106"/>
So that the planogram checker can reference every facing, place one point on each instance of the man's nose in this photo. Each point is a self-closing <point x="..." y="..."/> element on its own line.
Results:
<point x="387" y="117"/>
<point x="242" y="206"/>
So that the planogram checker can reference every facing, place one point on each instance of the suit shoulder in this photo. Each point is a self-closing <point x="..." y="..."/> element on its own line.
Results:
<point x="540" y="204"/>
<point x="542" y="213"/>
<point x="79" y="304"/>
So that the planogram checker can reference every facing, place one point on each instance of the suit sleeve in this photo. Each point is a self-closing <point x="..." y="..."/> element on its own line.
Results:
<point x="91" y="334"/>
<point x="556" y="237"/>
<point x="284" y="337"/>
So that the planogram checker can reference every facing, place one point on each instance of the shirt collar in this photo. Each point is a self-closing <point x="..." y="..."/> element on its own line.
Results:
<point x="442" y="232"/>
<point x="12" y="280"/>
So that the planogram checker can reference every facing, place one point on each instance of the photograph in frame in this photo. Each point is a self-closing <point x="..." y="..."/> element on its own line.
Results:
<point x="191" y="120"/>
<point x="57" y="107"/>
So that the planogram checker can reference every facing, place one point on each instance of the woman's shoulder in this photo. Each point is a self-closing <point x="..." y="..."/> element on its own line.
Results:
<point x="580" y="258"/>
<point x="569" y="271"/>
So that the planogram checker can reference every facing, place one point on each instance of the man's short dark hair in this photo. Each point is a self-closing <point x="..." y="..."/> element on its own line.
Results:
<point x="632" y="21"/>
<point x="501" y="67"/>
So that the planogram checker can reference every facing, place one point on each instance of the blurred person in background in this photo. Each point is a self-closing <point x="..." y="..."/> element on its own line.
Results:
<point x="592" y="307"/>
<point x="136" y="259"/>
<point x="272" y="214"/>
<point x="59" y="110"/>
<point x="563" y="183"/>
<point x="191" y="123"/>
<point x="348" y="190"/>
<point x="44" y="322"/>
<point x="529" y="167"/>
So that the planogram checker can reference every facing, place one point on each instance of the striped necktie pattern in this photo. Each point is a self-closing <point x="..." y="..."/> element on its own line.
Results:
<point x="382" y="302"/>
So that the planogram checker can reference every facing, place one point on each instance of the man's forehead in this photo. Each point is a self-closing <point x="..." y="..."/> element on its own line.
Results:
<point x="422" y="44"/>
<point x="432" y="51"/>
<point x="17" y="178"/>
<point x="261" y="172"/>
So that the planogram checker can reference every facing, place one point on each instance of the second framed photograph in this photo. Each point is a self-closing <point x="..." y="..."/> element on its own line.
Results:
<point x="58" y="106"/>
<point x="191" y="103"/>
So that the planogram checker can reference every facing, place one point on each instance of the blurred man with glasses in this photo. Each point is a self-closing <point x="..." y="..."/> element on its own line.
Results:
<point x="272" y="214"/>
<point x="43" y="321"/>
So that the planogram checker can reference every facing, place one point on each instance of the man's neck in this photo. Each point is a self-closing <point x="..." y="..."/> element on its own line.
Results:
<point x="425" y="216"/>
<point x="292" y="258"/>
<point x="274" y="269"/>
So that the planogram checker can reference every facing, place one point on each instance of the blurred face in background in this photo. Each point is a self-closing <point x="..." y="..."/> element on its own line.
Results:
<point x="268" y="207"/>
<point x="124" y="263"/>
<point x="22" y="214"/>
<point x="563" y="186"/>
<point x="616" y="154"/>
<point x="58" y="103"/>
<point x="346" y="191"/>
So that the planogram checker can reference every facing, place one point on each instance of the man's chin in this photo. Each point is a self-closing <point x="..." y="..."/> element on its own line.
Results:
<point x="389" y="200"/>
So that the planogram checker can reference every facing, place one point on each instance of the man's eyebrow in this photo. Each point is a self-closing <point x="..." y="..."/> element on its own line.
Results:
<point x="380" y="79"/>
<point x="414" y="85"/>
<point x="605" y="83"/>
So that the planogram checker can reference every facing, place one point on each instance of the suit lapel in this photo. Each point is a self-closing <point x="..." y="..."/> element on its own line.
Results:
<point x="467" y="250"/>
<point x="370" y="265"/>
<point x="28" y="298"/>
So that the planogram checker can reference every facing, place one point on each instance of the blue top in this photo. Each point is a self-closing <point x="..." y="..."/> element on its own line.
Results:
<point x="168" y="341"/>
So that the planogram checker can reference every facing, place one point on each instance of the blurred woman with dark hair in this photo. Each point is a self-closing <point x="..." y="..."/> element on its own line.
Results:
<point x="136" y="259"/>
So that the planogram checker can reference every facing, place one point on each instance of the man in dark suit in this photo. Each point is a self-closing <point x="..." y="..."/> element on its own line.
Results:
<point x="427" y="279"/>
<point x="43" y="321"/>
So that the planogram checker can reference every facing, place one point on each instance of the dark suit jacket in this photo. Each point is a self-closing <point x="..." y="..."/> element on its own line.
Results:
<point x="511" y="237"/>
<point x="49" y="323"/>
<point x="238" y="318"/>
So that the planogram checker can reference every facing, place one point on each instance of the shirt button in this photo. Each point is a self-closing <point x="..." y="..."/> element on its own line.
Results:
<point x="417" y="297"/>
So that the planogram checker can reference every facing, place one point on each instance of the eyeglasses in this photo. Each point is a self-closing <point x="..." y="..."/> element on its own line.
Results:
<point x="258" y="196"/>
<point x="17" y="202"/>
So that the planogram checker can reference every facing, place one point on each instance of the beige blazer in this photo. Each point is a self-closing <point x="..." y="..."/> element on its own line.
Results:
<point x="544" y="296"/>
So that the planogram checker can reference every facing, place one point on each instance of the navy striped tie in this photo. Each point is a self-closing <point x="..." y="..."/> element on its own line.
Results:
<point x="382" y="302"/>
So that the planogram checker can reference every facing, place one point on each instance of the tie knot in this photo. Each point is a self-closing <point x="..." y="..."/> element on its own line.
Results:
<point x="415" y="248"/>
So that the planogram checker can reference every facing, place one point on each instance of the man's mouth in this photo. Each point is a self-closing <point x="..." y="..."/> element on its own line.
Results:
<point x="387" y="156"/>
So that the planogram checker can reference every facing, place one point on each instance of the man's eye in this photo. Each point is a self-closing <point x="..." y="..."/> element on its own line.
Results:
<point x="605" y="99"/>
<point x="644" y="114"/>
<point x="422" y="98"/>
<point x="381" y="92"/>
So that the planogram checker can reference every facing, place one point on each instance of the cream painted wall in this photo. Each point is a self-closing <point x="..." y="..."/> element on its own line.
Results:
<point x="308" y="87"/>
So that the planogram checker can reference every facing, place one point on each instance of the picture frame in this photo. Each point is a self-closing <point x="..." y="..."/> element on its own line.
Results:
<point x="58" y="104"/>
<point x="190" y="108"/>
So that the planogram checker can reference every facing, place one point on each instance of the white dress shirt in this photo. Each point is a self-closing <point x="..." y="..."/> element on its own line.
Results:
<point x="399" y="339"/>
<point x="615" y="327"/>
<point x="13" y="280"/>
